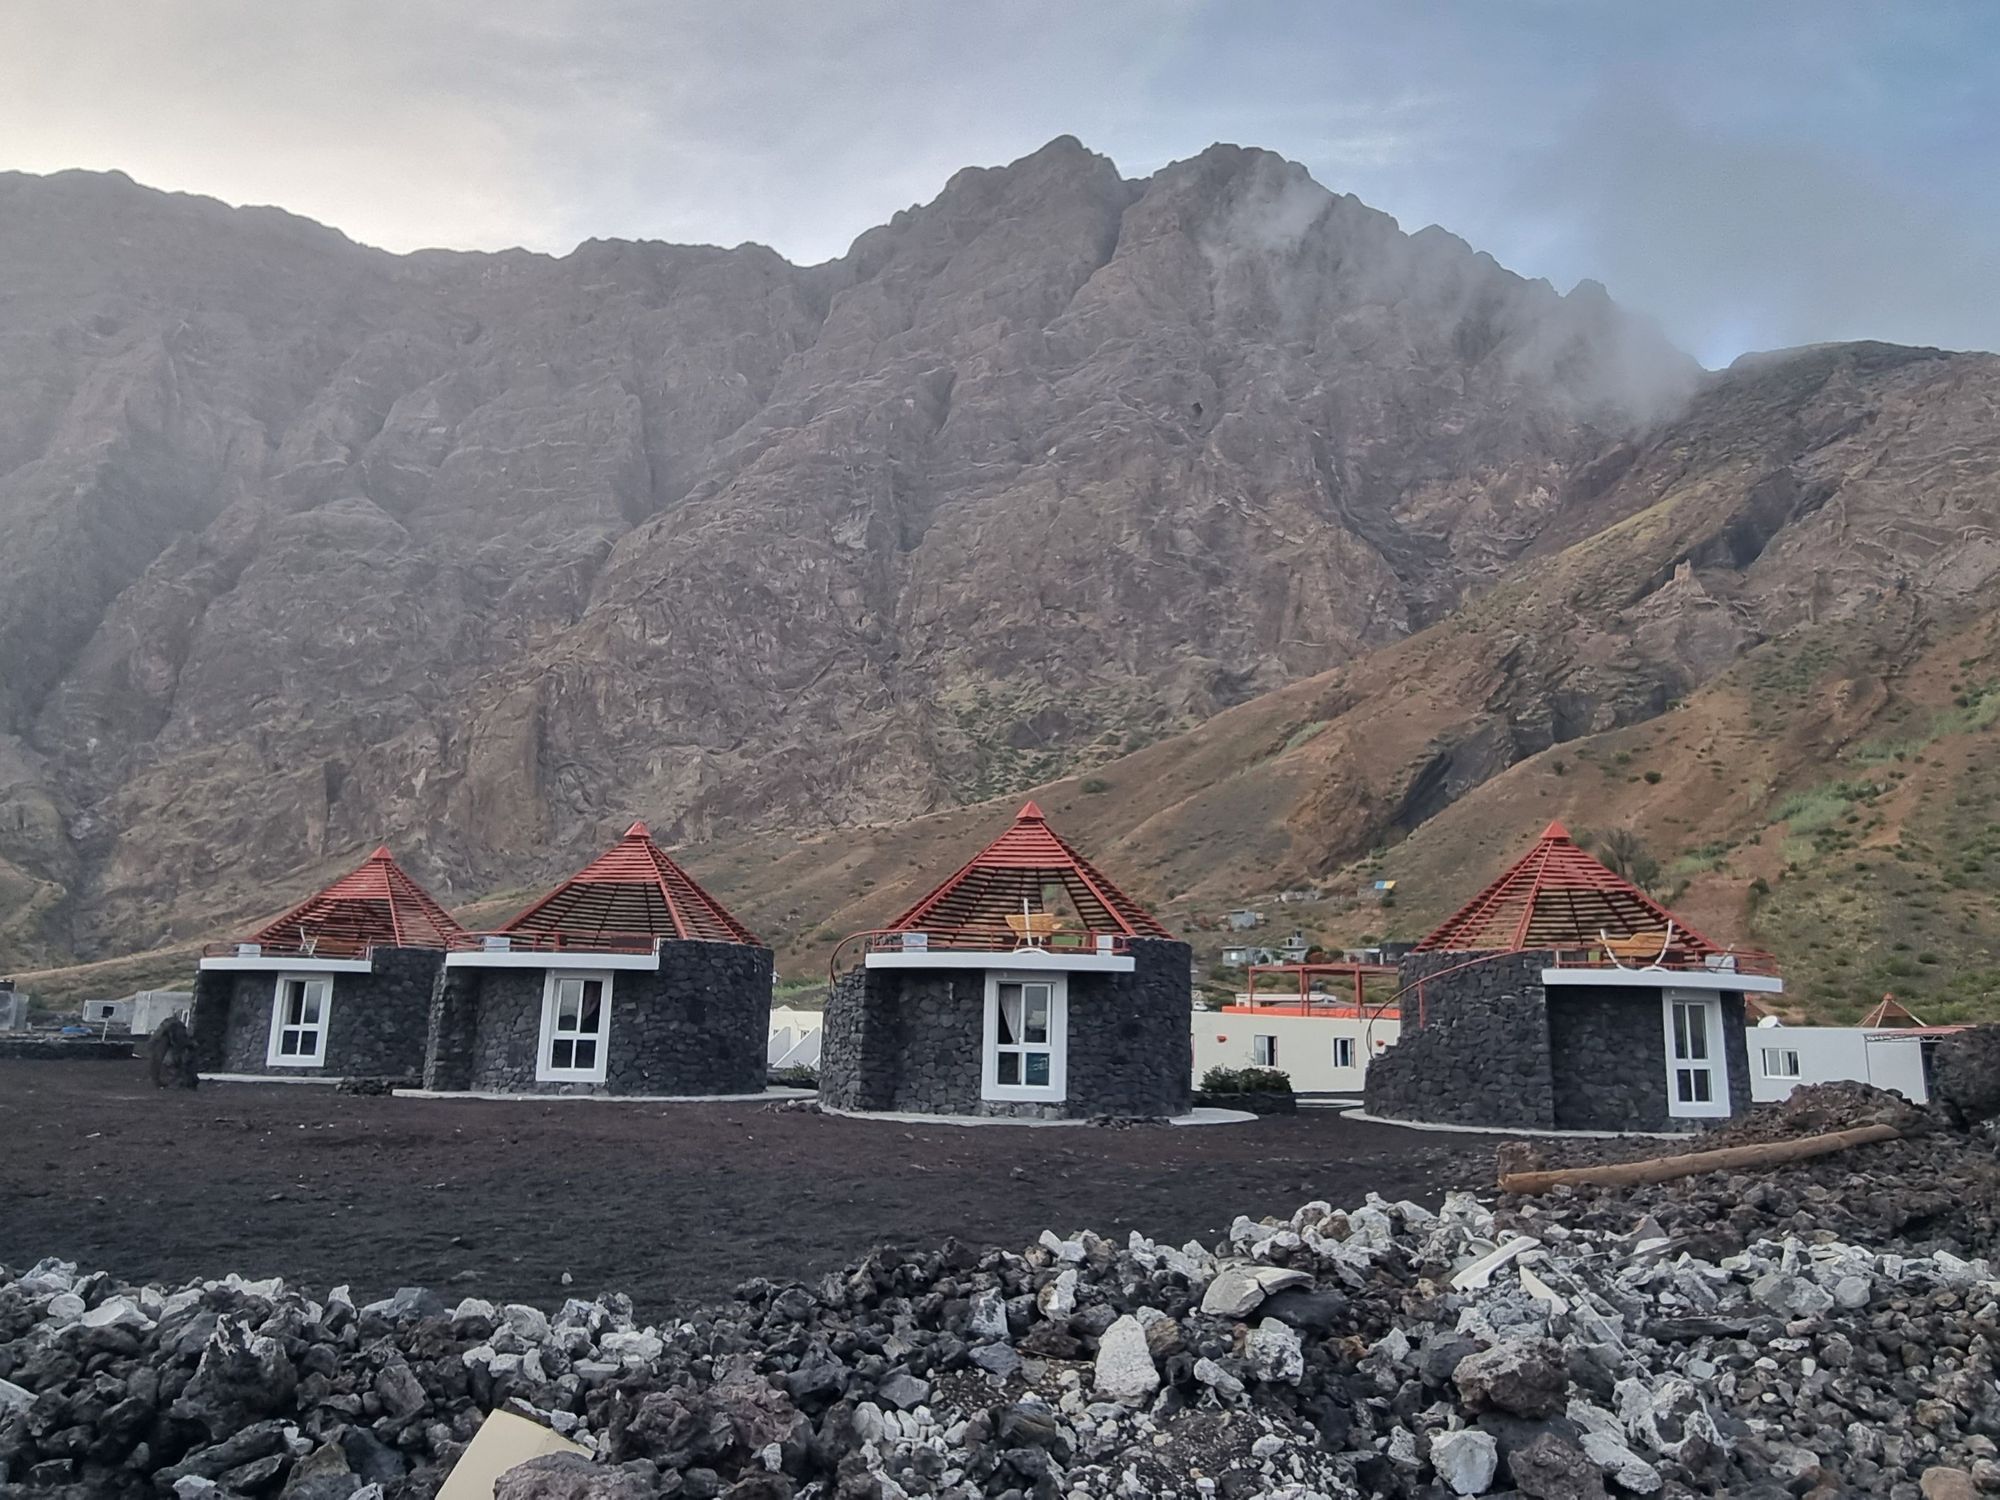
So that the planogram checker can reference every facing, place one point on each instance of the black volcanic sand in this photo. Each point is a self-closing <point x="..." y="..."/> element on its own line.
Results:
<point x="674" y="1204"/>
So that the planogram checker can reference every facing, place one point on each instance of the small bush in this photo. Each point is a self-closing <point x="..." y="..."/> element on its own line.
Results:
<point x="1093" y="785"/>
<point x="1652" y="778"/>
<point x="1246" y="1081"/>
<point x="797" y="1077"/>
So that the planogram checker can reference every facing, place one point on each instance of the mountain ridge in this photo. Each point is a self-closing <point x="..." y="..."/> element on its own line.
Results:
<point x="488" y="552"/>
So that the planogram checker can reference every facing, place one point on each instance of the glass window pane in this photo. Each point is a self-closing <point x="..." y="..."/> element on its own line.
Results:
<point x="593" y="998"/>
<point x="1701" y="1079"/>
<point x="586" y="1053"/>
<point x="1010" y="1067"/>
<point x="1684" y="1085"/>
<point x="1038" y="1069"/>
<point x="1009" y="1031"/>
<point x="1035" y="1026"/>
<point x="309" y="1006"/>
<point x="1697" y="1023"/>
<point x="1680" y="1031"/>
<point x="560" y="1053"/>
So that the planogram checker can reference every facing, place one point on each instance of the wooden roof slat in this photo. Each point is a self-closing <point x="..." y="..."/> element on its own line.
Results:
<point x="991" y="885"/>
<point x="1557" y="896"/>
<point x="633" y="889"/>
<point x="377" y="905"/>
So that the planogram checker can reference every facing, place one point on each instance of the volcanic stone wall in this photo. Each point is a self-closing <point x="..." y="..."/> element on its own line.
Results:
<point x="699" y="1025"/>
<point x="1477" y="1053"/>
<point x="1608" y="1054"/>
<point x="911" y="1039"/>
<point x="376" y="1022"/>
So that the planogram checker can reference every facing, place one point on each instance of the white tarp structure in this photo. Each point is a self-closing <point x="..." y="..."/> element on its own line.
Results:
<point x="795" y="1038"/>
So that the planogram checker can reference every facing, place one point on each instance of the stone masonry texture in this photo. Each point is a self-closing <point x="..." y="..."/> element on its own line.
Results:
<point x="910" y="1039"/>
<point x="1491" y="1045"/>
<point x="1608" y="1055"/>
<point x="375" y="1021"/>
<point x="699" y="1025"/>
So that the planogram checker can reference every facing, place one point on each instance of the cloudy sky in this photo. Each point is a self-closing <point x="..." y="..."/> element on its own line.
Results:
<point x="1751" y="175"/>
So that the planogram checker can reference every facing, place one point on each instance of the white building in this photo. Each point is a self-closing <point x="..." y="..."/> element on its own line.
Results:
<point x="151" y="1008"/>
<point x="1324" y="1048"/>
<point x="1783" y="1057"/>
<point x="115" y="1014"/>
<point x="141" y="1013"/>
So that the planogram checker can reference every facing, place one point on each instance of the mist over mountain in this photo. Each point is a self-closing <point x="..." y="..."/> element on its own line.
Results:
<point x="308" y="546"/>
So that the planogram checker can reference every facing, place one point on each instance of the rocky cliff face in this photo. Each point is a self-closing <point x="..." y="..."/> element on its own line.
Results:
<point x="306" y="545"/>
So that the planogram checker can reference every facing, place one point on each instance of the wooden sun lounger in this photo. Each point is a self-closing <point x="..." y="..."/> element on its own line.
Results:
<point x="1034" y="928"/>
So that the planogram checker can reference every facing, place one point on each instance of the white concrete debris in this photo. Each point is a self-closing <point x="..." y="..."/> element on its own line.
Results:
<point x="1125" y="1370"/>
<point x="1466" y="1460"/>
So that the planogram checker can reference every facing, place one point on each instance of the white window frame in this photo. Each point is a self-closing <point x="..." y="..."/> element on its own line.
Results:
<point x="552" y="983"/>
<point x="1343" y="1044"/>
<point x="274" y="1056"/>
<point x="1716" y="1107"/>
<point x="1781" y="1053"/>
<point x="1263" y="1051"/>
<point x="1057" y="1088"/>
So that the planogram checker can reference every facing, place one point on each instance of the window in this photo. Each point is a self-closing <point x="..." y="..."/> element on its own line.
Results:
<point x="1343" y="1052"/>
<point x="1781" y="1062"/>
<point x="1026" y="1031"/>
<point x="1697" y="1073"/>
<point x="298" y="1021"/>
<point x="576" y="1016"/>
<point x="1264" y="1051"/>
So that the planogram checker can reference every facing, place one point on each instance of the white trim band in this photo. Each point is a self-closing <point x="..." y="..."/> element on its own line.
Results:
<point x="569" y="958"/>
<point x="1011" y="959"/>
<point x="1668" y="979"/>
<point x="292" y="963"/>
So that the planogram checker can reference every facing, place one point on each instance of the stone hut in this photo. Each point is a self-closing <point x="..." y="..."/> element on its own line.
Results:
<point x="1562" y="997"/>
<point x="628" y="978"/>
<point x="337" y="987"/>
<point x="1027" y="985"/>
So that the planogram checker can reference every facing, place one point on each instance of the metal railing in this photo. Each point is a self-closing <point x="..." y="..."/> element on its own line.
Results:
<point x="1674" y="961"/>
<point x="553" y="942"/>
<point x="319" y="947"/>
<point x="1326" y="1009"/>
<point x="974" y="938"/>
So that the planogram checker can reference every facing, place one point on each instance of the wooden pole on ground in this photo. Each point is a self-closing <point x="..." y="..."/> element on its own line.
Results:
<point x="1692" y="1163"/>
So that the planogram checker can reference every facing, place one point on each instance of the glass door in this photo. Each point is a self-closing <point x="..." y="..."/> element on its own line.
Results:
<point x="1697" y="1077"/>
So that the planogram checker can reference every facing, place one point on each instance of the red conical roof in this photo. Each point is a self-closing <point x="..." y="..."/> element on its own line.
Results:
<point x="1557" y="896"/>
<point x="377" y="905"/>
<point x="1013" y="869"/>
<point x="1891" y="1012"/>
<point x="632" y="890"/>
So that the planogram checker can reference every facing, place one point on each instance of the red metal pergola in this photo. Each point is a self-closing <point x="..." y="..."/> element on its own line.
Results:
<point x="1355" y="974"/>
<point x="1558" y="896"/>
<point x="1007" y="877"/>
<point x="378" y="905"/>
<point x="628" y="895"/>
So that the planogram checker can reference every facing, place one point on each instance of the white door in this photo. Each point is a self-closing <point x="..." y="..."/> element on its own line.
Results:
<point x="576" y="1022"/>
<point x="1026" y="1044"/>
<point x="298" y="1021"/>
<point x="1697" y="1062"/>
